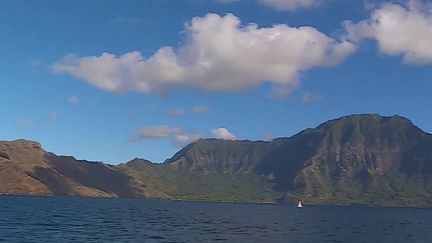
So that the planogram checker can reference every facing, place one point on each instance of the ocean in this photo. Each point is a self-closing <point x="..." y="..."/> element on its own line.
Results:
<point x="81" y="219"/>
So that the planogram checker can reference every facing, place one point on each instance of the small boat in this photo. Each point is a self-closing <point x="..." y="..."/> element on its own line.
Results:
<point x="299" y="205"/>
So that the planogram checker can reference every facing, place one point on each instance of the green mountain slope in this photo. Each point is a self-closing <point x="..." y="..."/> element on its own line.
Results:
<point x="367" y="159"/>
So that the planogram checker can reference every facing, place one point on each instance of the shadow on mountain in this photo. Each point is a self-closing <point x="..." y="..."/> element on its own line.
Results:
<point x="92" y="174"/>
<point x="288" y="158"/>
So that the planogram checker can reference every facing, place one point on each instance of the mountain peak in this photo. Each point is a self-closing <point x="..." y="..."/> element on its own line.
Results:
<point x="362" y="118"/>
<point x="24" y="142"/>
<point x="372" y="125"/>
<point x="137" y="161"/>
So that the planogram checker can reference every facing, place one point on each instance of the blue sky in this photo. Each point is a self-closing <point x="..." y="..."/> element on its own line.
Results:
<point x="146" y="109"/>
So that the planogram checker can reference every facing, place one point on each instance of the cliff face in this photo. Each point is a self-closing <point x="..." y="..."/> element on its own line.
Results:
<point x="220" y="156"/>
<point x="367" y="159"/>
<point x="357" y="159"/>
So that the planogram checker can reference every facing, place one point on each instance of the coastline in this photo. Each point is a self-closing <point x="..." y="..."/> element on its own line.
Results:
<point x="294" y="204"/>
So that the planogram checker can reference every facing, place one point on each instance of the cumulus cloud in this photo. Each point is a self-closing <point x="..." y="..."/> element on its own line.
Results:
<point x="399" y="29"/>
<point x="308" y="97"/>
<point x="176" y="112"/>
<point x="23" y="122"/>
<point x="289" y="5"/>
<point x="223" y="133"/>
<point x="219" y="54"/>
<point x="200" y="108"/>
<point x="73" y="100"/>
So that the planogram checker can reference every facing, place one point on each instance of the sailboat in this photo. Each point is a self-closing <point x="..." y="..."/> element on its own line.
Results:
<point x="299" y="205"/>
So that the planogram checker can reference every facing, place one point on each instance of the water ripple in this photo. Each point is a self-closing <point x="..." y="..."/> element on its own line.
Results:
<point x="73" y="219"/>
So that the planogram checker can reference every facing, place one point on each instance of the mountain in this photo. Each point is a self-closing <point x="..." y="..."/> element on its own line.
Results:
<point x="357" y="159"/>
<point x="25" y="168"/>
<point x="363" y="159"/>
<point x="367" y="159"/>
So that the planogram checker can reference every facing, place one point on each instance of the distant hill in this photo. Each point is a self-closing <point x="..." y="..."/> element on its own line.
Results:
<point x="357" y="159"/>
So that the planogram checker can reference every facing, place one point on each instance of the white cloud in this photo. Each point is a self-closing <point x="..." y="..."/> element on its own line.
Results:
<point x="290" y="5"/>
<point x="53" y="115"/>
<point x="308" y="97"/>
<point x="23" y="122"/>
<point x="128" y="21"/>
<point x="176" y="112"/>
<point x="219" y="55"/>
<point x="200" y="108"/>
<point x="223" y="133"/>
<point x="73" y="100"/>
<point x="267" y="136"/>
<point x="283" y="5"/>
<point x="180" y="137"/>
<point x="399" y="29"/>
<point x="153" y="105"/>
<point x="36" y="63"/>
<point x="228" y="1"/>
<point x="160" y="131"/>
<point x="184" y="139"/>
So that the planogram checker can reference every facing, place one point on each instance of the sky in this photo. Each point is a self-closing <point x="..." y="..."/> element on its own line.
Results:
<point x="110" y="81"/>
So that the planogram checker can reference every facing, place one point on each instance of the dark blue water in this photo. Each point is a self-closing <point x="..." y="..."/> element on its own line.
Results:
<point x="74" y="219"/>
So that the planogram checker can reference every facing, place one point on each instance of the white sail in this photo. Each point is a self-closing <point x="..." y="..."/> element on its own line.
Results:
<point x="299" y="205"/>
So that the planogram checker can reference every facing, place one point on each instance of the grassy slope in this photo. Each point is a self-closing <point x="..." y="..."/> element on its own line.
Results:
<point x="181" y="184"/>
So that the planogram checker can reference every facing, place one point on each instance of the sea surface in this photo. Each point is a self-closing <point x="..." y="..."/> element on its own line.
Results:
<point x="76" y="219"/>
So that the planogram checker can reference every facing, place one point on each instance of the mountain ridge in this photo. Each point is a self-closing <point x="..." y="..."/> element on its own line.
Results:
<point x="355" y="159"/>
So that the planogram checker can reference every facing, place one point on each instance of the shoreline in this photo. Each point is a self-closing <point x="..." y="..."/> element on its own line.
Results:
<point x="222" y="201"/>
